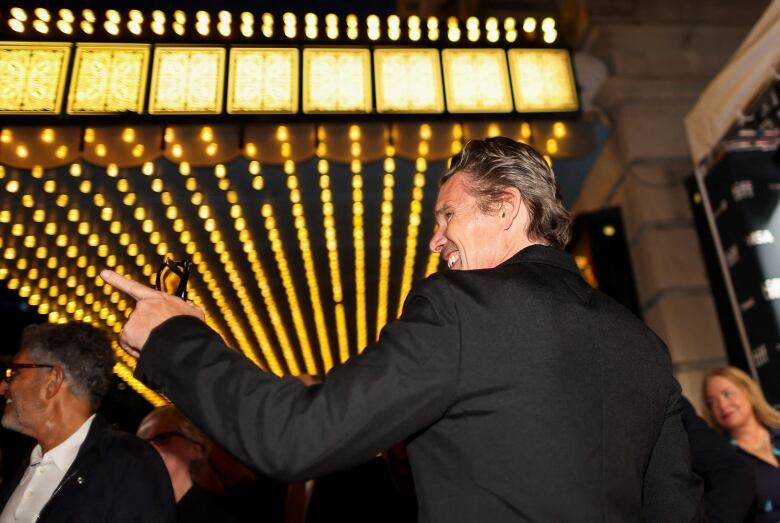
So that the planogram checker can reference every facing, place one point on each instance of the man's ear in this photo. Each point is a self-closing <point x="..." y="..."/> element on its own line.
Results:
<point x="54" y="382"/>
<point x="511" y="204"/>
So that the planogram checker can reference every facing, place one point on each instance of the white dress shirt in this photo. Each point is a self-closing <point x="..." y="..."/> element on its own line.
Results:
<point x="42" y="477"/>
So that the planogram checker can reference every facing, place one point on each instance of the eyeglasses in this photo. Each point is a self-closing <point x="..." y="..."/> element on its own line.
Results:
<point x="172" y="277"/>
<point x="163" y="438"/>
<point x="12" y="368"/>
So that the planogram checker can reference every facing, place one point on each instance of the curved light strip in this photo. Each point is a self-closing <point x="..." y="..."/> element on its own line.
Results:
<point x="331" y="245"/>
<point x="274" y="239"/>
<point x="238" y="286"/>
<point x="358" y="237"/>
<point x="124" y="372"/>
<point x="433" y="263"/>
<point x="304" y="245"/>
<point x="415" y="208"/>
<point x="248" y="246"/>
<point x="385" y="238"/>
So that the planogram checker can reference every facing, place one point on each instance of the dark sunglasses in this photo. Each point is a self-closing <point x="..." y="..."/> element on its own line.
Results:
<point x="172" y="277"/>
<point x="163" y="438"/>
<point x="12" y="368"/>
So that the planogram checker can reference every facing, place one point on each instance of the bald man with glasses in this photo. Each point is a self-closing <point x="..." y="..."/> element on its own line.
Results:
<point x="81" y="469"/>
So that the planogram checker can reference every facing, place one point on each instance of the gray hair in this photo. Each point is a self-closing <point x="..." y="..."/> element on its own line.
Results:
<point x="83" y="351"/>
<point x="496" y="164"/>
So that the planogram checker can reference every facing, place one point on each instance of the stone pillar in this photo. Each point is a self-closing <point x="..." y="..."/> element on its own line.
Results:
<point x="660" y="55"/>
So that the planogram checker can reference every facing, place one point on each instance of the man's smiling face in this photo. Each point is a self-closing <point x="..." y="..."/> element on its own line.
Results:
<point x="466" y="237"/>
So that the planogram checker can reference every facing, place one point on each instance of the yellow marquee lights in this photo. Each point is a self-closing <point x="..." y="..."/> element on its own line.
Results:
<point x="336" y="80"/>
<point x="331" y="245"/>
<point x="263" y="80"/>
<point x="136" y="24"/>
<point x="111" y="78"/>
<point x="304" y="245"/>
<point x="385" y="236"/>
<point x="543" y="80"/>
<point x="32" y="77"/>
<point x="257" y="326"/>
<point x="289" y="288"/>
<point x="60" y="225"/>
<point x="408" y="81"/>
<point x="108" y="79"/>
<point x="465" y="78"/>
<point x="187" y="80"/>
<point x="358" y="238"/>
<point x="415" y="210"/>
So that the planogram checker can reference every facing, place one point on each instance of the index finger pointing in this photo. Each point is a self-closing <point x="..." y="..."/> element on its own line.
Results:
<point x="135" y="290"/>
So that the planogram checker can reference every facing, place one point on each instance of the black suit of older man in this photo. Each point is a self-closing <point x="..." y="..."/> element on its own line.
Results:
<point x="523" y="393"/>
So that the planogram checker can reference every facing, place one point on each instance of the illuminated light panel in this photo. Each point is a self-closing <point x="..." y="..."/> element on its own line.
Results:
<point x="543" y="80"/>
<point x="108" y="79"/>
<point x="304" y="245"/>
<point x="385" y="239"/>
<point x="187" y="80"/>
<point x="476" y="81"/>
<point x="408" y="80"/>
<point x="331" y="245"/>
<point x="263" y="80"/>
<point x="277" y="248"/>
<point x="32" y="77"/>
<point x="336" y="80"/>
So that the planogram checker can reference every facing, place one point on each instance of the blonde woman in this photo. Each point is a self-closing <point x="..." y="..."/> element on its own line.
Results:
<point x="736" y="406"/>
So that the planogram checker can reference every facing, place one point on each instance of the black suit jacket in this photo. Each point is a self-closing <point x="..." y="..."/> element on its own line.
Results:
<point x="525" y="395"/>
<point x="115" y="478"/>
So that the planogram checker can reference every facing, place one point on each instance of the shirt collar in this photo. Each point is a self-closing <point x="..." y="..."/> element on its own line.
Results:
<point x="63" y="454"/>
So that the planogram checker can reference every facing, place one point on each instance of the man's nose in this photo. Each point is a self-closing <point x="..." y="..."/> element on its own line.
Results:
<point x="437" y="240"/>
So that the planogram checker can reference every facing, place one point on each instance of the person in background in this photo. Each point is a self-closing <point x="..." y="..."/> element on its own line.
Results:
<point x="185" y="450"/>
<point x="81" y="469"/>
<point x="729" y="487"/>
<point x="737" y="407"/>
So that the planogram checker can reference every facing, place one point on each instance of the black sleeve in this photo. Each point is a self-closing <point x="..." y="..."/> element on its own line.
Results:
<point x="398" y="386"/>
<point x="671" y="491"/>
<point x="729" y="485"/>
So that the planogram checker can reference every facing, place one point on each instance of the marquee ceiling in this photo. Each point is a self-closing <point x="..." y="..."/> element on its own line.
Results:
<point x="306" y="234"/>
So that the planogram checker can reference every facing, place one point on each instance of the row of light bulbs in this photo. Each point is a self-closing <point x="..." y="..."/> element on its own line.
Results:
<point x="206" y="135"/>
<point x="304" y="247"/>
<point x="331" y="246"/>
<point x="41" y="19"/>
<point x="123" y="238"/>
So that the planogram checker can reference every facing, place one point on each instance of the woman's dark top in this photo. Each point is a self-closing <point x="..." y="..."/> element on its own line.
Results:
<point x="767" y="507"/>
<point x="201" y="506"/>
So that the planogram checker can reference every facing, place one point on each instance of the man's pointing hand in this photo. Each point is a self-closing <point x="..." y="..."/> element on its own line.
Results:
<point x="151" y="309"/>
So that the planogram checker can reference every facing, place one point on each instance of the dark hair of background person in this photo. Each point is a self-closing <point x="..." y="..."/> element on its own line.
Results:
<point x="496" y="164"/>
<point x="82" y="350"/>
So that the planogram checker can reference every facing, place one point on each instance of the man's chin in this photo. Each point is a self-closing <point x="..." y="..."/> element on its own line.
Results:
<point x="9" y="421"/>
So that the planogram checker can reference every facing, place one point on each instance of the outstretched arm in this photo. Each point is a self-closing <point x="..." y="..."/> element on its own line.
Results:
<point x="398" y="386"/>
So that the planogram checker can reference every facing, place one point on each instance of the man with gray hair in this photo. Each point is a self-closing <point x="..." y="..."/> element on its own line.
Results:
<point x="523" y="394"/>
<point x="81" y="469"/>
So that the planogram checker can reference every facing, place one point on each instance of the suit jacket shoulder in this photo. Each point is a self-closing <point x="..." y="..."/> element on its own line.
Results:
<point x="115" y="477"/>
